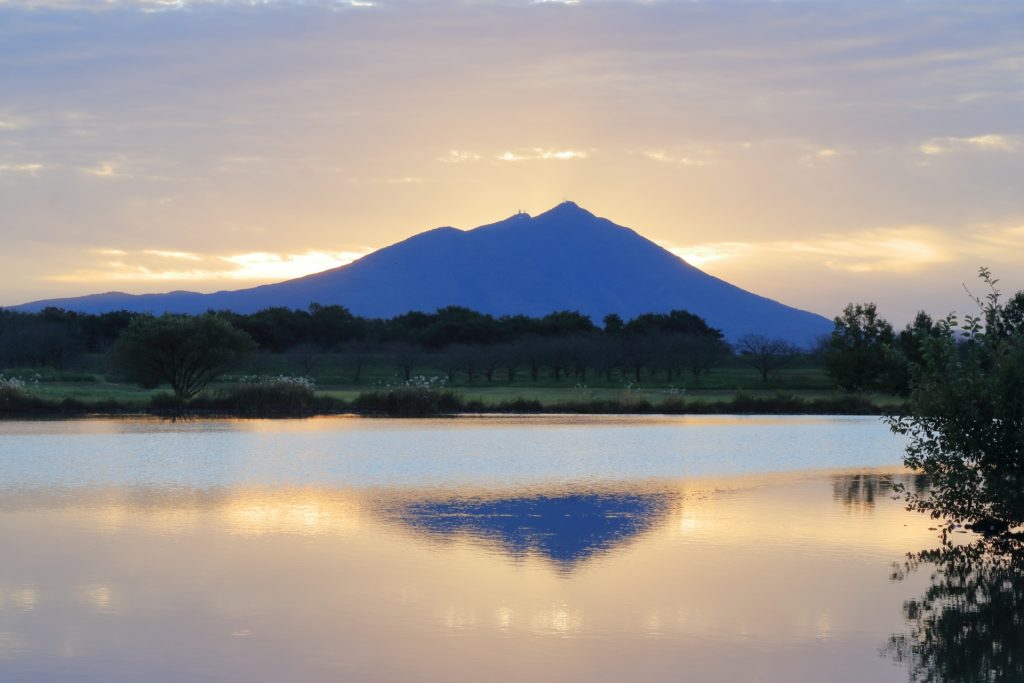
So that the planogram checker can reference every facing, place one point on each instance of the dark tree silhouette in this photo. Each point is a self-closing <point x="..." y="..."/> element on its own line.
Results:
<point x="859" y="353"/>
<point x="765" y="355"/>
<point x="183" y="351"/>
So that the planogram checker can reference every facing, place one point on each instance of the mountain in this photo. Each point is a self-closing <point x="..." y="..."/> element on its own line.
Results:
<point x="564" y="259"/>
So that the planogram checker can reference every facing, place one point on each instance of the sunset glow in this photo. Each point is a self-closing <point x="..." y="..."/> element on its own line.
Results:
<point x="875" y="155"/>
<point x="157" y="265"/>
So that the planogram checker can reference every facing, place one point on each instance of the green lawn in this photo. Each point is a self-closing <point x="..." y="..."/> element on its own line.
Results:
<point x="723" y="383"/>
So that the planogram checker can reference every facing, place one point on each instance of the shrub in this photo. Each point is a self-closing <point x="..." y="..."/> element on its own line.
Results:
<point x="417" y="397"/>
<point x="280" y="395"/>
<point x="14" y="395"/>
<point x="519" y="405"/>
<point x="965" y="425"/>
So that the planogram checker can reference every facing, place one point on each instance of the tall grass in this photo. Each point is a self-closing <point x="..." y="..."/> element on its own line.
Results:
<point x="419" y="397"/>
<point x="259" y="396"/>
<point x="16" y="399"/>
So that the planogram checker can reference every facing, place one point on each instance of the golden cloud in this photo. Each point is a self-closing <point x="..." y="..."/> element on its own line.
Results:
<point x="898" y="250"/>
<point x="151" y="265"/>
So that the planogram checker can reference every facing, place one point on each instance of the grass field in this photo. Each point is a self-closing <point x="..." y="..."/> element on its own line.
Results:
<point x="721" y="385"/>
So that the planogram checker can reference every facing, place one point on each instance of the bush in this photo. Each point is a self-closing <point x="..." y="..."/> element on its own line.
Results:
<point x="271" y="396"/>
<point x="418" y="397"/>
<point x="965" y="422"/>
<point x="519" y="405"/>
<point x="16" y="399"/>
<point x="14" y="395"/>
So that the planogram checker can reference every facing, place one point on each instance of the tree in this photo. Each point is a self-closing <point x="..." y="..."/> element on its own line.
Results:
<point x="859" y="353"/>
<point x="701" y="352"/>
<point x="332" y="326"/>
<point x="765" y="355"/>
<point x="966" y="420"/>
<point x="183" y="351"/>
<point x="674" y="322"/>
<point x="613" y="324"/>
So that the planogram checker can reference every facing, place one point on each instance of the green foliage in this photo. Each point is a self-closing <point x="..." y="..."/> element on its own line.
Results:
<point x="272" y="395"/>
<point x="417" y="397"/>
<point x="14" y="395"/>
<point x="17" y="400"/>
<point x="183" y="351"/>
<point x="674" y="322"/>
<point x="860" y="353"/>
<point x="613" y="324"/>
<point x="966" y="419"/>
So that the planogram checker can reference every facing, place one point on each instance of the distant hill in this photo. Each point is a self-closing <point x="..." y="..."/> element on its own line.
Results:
<point x="564" y="259"/>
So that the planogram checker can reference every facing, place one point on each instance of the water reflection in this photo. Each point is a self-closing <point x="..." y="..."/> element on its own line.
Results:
<point x="566" y="528"/>
<point x="968" y="626"/>
<point x="731" y="579"/>
<point x="861" y="490"/>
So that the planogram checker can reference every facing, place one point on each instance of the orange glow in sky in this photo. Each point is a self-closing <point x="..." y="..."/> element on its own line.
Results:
<point x="817" y="153"/>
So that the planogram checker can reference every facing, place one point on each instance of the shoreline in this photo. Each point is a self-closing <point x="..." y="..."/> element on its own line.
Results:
<point x="453" y="406"/>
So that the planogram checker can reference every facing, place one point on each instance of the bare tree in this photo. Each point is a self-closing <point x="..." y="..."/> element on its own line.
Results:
<point x="765" y="355"/>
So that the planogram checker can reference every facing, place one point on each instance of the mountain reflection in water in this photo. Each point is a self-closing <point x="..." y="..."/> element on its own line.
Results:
<point x="566" y="528"/>
<point x="765" y="577"/>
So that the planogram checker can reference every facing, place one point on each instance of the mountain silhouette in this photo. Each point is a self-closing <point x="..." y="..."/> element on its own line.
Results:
<point x="564" y="259"/>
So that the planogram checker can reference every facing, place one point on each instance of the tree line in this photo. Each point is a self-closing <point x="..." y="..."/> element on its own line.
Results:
<point x="452" y="341"/>
<point x="863" y="353"/>
<point x="328" y="328"/>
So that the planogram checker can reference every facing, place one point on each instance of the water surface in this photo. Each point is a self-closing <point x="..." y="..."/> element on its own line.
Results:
<point x="500" y="549"/>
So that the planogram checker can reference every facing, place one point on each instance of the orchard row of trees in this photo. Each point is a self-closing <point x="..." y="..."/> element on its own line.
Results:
<point x="185" y="352"/>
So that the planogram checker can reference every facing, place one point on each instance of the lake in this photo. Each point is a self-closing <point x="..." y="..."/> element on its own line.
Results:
<point x="492" y="548"/>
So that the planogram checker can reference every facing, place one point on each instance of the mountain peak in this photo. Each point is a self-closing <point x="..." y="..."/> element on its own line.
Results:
<point x="564" y="259"/>
<point x="567" y="210"/>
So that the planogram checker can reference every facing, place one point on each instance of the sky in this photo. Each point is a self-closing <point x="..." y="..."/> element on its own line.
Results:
<point x="815" y="152"/>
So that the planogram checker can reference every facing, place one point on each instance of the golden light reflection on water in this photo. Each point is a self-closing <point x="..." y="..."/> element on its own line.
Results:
<point x="294" y="512"/>
<point x="595" y="582"/>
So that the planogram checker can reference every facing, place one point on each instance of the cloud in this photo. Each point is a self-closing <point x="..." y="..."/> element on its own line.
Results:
<point x="541" y="154"/>
<point x="824" y="155"/>
<point x="999" y="240"/>
<point x="664" y="157"/>
<point x="990" y="142"/>
<point x="151" y="265"/>
<point x="28" y="169"/>
<point x="182" y="255"/>
<point x="104" y="170"/>
<point x="459" y="156"/>
<point x="403" y="180"/>
<point x="212" y="140"/>
<point x="170" y="5"/>
<point x="903" y="250"/>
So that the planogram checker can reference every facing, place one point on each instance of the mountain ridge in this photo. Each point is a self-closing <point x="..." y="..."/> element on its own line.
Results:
<point x="566" y="258"/>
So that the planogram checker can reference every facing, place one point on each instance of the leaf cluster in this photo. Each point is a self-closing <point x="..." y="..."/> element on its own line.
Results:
<point x="965" y="427"/>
